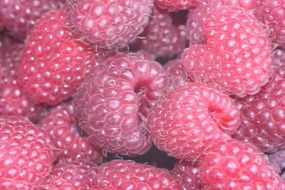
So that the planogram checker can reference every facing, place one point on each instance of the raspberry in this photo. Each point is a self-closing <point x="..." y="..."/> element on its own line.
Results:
<point x="188" y="175"/>
<point x="126" y="174"/>
<point x="263" y="117"/>
<point x="161" y="37"/>
<point x="176" y="73"/>
<point x="70" y="176"/>
<point x="61" y="125"/>
<point x="12" y="99"/>
<point x="112" y="103"/>
<point x="175" y="5"/>
<point x="20" y="16"/>
<point x="187" y="120"/>
<point x="109" y="23"/>
<point x="271" y="12"/>
<point x="237" y="55"/>
<point x="234" y="165"/>
<point x="54" y="63"/>
<point x="26" y="154"/>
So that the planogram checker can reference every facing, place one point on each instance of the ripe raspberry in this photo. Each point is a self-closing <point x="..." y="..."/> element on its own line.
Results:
<point x="109" y="23"/>
<point x="176" y="5"/>
<point x="176" y="73"/>
<point x="278" y="58"/>
<point x="161" y="37"/>
<point x="70" y="176"/>
<point x="234" y="165"/>
<point x="271" y="12"/>
<point x="26" y="154"/>
<point x="187" y="120"/>
<point x="54" y="63"/>
<point x="12" y="99"/>
<point x="237" y="55"/>
<point x="112" y="103"/>
<point x="263" y="115"/>
<point x="188" y="175"/>
<point x="61" y="125"/>
<point x="126" y="174"/>
<point x="20" y="16"/>
<point x="277" y="161"/>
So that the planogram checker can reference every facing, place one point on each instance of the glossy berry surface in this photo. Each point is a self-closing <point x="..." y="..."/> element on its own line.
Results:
<point x="175" y="5"/>
<point x="112" y="103"/>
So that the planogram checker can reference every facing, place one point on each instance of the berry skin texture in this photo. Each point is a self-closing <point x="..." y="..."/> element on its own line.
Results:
<point x="235" y="55"/>
<point x="189" y="119"/>
<point x="70" y="176"/>
<point x="53" y="63"/>
<point x="20" y="16"/>
<point x="13" y="101"/>
<point x="161" y="37"/>
<point x="262" y="115"/>
<point x="112" y="103"/>
<point x="188" y="175"/>
<point x="109" y="23"/>
<point x="61" y="125"/>
<point x="126" y="174"/>
<point x="277" y="161"/>
<point x="176" y="5"/>
<point x="235" y="165"/>
<point x="26" y="154"/>
<point x="271" y="12"/>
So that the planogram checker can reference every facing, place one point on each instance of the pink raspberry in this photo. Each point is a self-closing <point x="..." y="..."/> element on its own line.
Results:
<point x="54" y="62"/>
<point x="176" y="5"/>
<point x="189" y="119"/>
<point x="20" y="16"/>
<point x="188" y="175"/>
<point x="161" y="37"/>
<point x="126" y="174"/>
<point x="235" y="165"/>
<point x="271" y="12"/>
<point x="236" y="56"/>
<point x="263" y="115"/>
<point x="13" y="101"/>
<point x="109" y="23"/>
<point x="112" y="103"/>
<point x="70" y="176"/>
<point x="61" y="125"/>
<point x="176" y="73"/>
<point x="26" y="154"/>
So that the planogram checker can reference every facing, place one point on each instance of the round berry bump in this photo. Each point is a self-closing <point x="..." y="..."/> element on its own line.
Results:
<point x="53" y="63"/>
<point x="189" y="119"/>
<point x="61" y="125"/>
<point x="235" y="165"/>
<point x="237" y="50"/>
<point x="127" y="174"/>
<point x="176" y="5"/>
<point x="26" y="154"/>
<point x="70" y="176"/>
<point x="109" y="23"/>
<point x="271" y="12"/>
<point x="188" y="175"/>
<point x="112" y="103"/>
<point x="161" y="37"/>
<point x="20" y="16"/>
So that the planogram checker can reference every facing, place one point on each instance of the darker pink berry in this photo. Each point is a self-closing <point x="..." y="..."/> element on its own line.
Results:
<point x="176" y="5"/>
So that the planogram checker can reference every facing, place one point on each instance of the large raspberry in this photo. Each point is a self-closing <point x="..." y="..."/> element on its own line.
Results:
<point x="176" y="5"/>
<point x="126" y="174"/>
<point x="263" y="115"/>
<point x="236" y="56"/>
<point x="60" y="123"/>
<point x="234" y="165"/>
<point x="54" y="62"/>
<point x="70" y="176"/>
<point x="26" y="154"/>
<point x="112" y="103"/>
<point x="271" y="12"/>
<point x="109" y="23"/>
<point x="189" y="119"/>
<point x="20" y="16"/>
